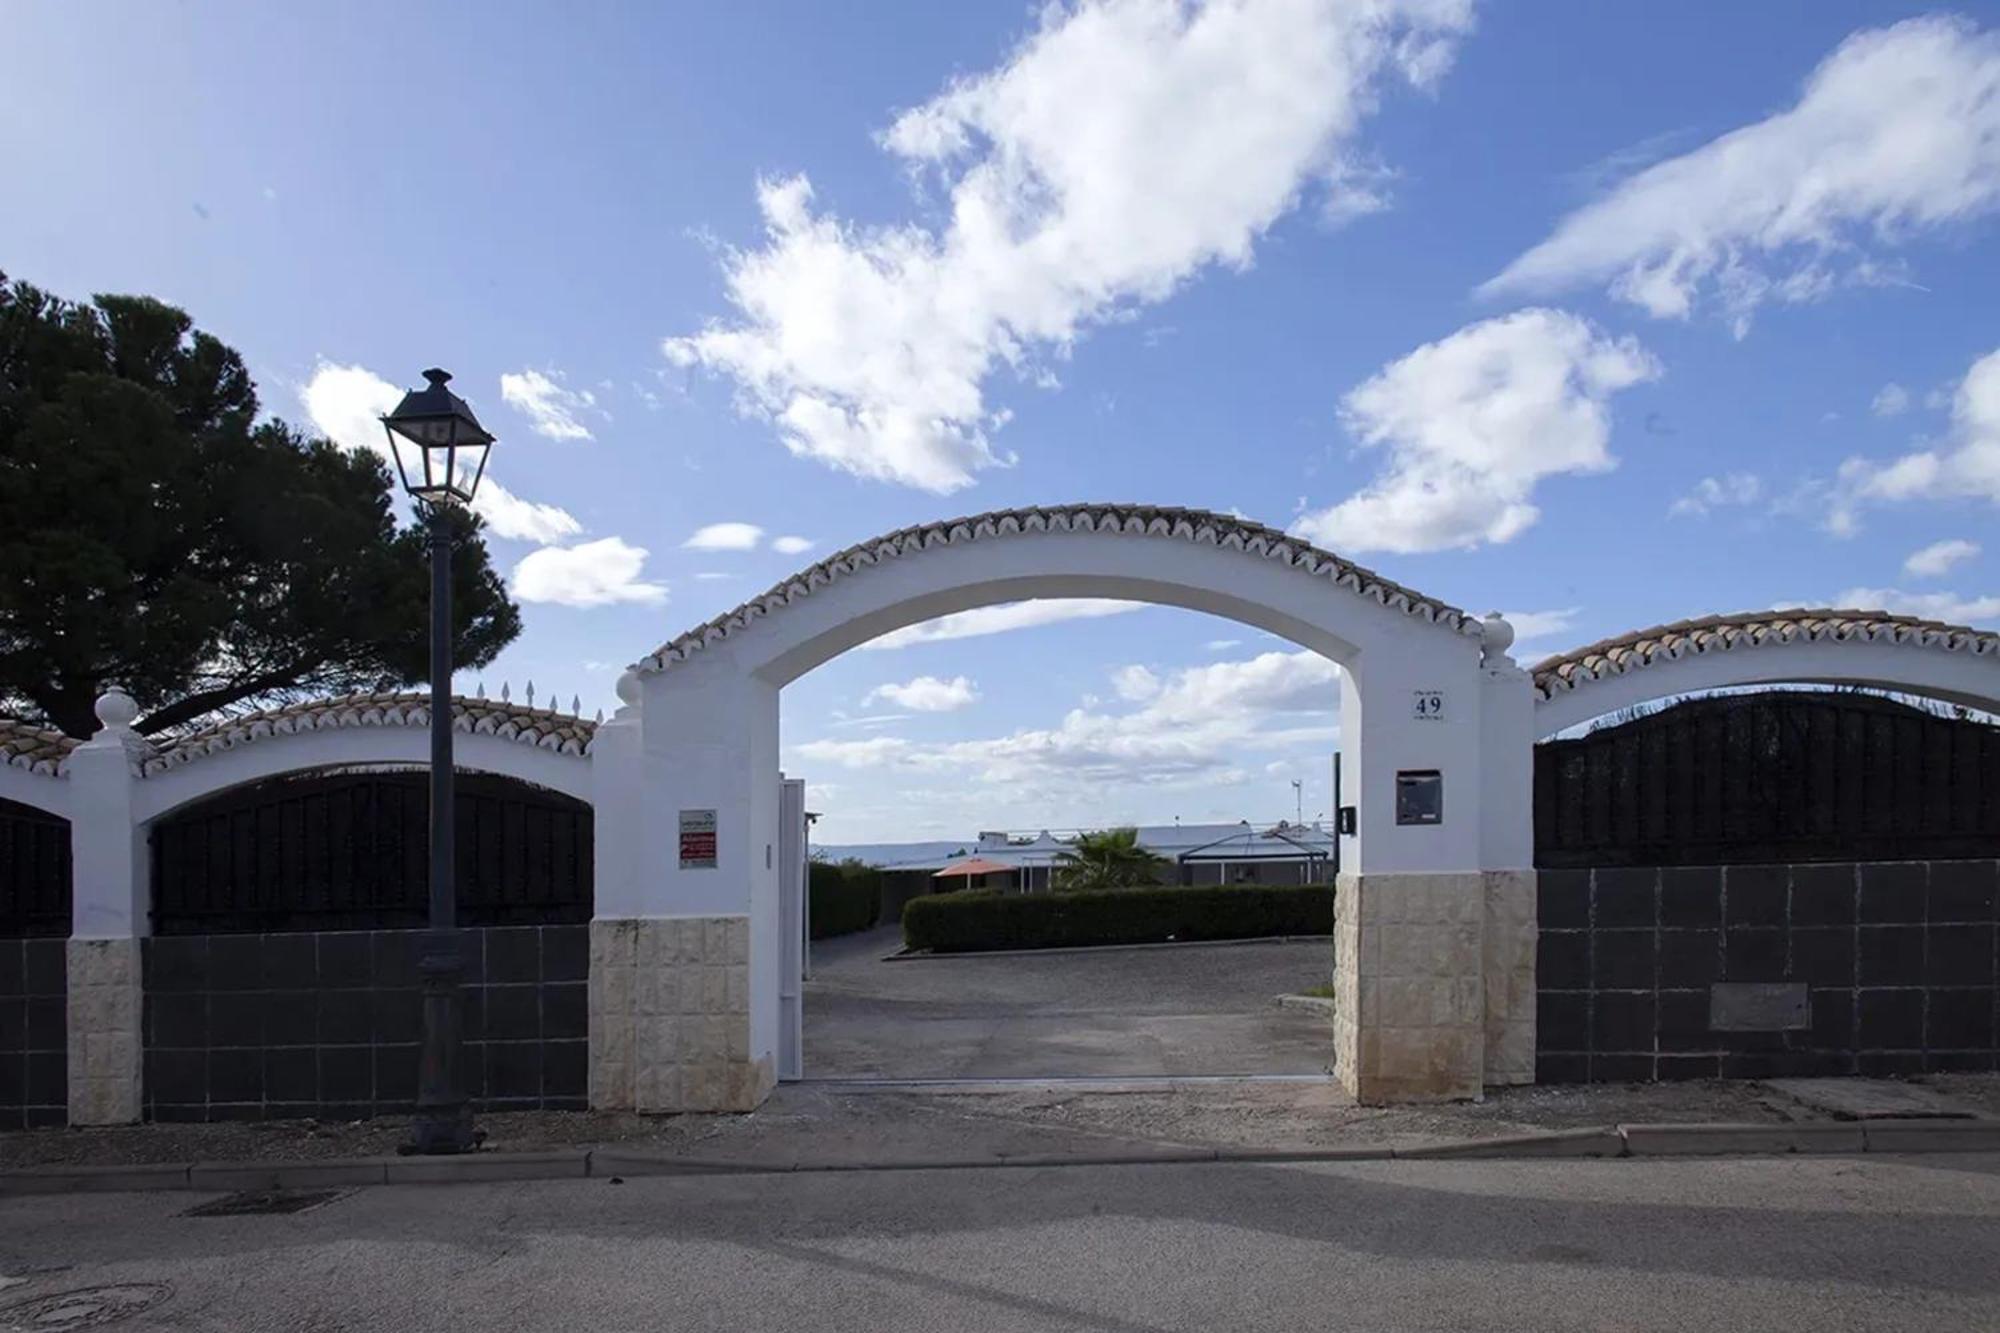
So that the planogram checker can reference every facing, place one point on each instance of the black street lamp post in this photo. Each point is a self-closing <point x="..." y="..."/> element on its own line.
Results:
<point x="440" y="451"/>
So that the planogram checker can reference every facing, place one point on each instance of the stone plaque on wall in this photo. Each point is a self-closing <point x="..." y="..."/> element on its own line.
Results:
<point x="1758" y="1006"/>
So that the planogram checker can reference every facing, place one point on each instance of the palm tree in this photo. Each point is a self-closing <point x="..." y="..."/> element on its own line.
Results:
<point x="1108" y="859"/>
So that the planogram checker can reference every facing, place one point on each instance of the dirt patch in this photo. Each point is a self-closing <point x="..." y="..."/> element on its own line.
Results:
<point x="304" y="1140"/>
<point x="1305" y="1116"/>
<point x="819" y="1121"/>
<point x="1979" y="1091"/>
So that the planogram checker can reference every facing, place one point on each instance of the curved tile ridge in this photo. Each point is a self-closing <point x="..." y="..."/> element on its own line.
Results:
<point x="1750" y="629"/>
<point x="35" y="748"/>
<point x="541" y="727"/>
<point x="1191" y="525"/>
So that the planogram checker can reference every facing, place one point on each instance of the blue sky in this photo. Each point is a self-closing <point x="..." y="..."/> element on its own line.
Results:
<point x="1600" y="315"/>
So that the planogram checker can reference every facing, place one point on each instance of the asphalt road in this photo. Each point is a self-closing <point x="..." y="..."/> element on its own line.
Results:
<point x="1123" y="1013"/>
<point x="1812" y="1244"/>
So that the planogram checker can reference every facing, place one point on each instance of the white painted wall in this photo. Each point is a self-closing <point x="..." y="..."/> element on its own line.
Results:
<point x="1954" y="676"/>
<point x="44" y="791"/>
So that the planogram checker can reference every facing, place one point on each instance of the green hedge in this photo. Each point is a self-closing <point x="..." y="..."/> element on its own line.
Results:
<point x="969" y="922"/>
<point x="845" y="897"/>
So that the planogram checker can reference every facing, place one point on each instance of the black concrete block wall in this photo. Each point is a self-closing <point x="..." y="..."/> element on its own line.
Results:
<point x="1897" y="961"/>
<point x="34" y="1046"/>
<point x="328" y="1024"/>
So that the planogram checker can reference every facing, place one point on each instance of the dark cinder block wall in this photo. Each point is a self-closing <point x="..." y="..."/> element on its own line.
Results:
<point x="34" y="1046"/>
<point x="329" y="1023"/>
<point x="1757" y="971"/>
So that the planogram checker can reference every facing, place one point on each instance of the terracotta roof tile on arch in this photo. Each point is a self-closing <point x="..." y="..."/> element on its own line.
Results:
<point x="1750" y="629"/>
<point x="37" y="749"/>
<point x="540" y="727"/>
<point x="1191" y="525"/>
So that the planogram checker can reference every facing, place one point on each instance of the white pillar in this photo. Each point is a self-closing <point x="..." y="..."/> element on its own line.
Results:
<point x="1410" y="905"/>
<point x="684" y="1010"/>
<point x="109" y="915"/>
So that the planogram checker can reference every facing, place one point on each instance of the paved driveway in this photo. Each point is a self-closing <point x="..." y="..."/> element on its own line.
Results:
<point x="1122" y="1013"/>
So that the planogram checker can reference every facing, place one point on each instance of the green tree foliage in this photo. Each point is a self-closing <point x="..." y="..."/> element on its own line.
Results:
<point x="1107" y="859"/>
<point x="158" y="536"/>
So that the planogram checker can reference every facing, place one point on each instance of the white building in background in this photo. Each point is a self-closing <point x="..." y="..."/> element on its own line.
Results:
<point x="1240" y="853"/>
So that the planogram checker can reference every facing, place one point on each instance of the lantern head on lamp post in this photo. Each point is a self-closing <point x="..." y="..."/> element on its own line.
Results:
<point x="440" y="446"/>
<point x="440" y="450"/>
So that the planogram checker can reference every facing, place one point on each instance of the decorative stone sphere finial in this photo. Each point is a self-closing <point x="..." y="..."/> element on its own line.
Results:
<point x="116" y="709"/>
<point x="628" y="688"/>
<point x="1496" y="634"/>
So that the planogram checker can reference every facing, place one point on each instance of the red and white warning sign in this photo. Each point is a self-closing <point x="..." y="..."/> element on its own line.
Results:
<point x="697" y="839"/>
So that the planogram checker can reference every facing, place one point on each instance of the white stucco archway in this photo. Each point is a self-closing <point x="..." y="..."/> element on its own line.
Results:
<point x="699" y="741"/>
<point x="1952" y="663"/>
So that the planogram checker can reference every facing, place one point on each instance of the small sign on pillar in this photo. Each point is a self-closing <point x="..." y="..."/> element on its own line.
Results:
<point x="697" y="839"/>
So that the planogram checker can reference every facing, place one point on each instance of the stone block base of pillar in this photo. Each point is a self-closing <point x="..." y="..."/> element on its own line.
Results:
<point x="670" y="1016"/>
<point x="1409" y="1000"/>
<point x="1508" y="959"/>
<point x="106" y="1053"/>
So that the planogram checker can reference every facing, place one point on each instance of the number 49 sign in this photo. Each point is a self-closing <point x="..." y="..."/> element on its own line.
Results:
<point x="1428" y="706"/>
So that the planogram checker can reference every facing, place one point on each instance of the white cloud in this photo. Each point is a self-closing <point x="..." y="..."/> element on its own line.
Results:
<point x="1946" y="606"/>
<point x="589" y="574"/>
<point x="1965" y="465"/>
<point x="1892" y="400"/>
<point x="874" y="752"/>
<point x="1124" y="146"/>
<point x="346" y="404"/>
<point x="1217" y="645"/>
<point x="1000" y="619"/>
<point x="1135" y="683"/>
<point x="1896" y="133"/>
<point x="1736" y="488"/>
<point x="791" y="545"/>
<point x="1540" y="624"/>
<point x="508" y="515"/>
<point x="926" y="694"/>
<point x="1201" y="724"/>
<point x="1937" y="559"/>
<point x="1473" y="422"/>
<point x="725" y="537"/>
<point x="550" y="408"/>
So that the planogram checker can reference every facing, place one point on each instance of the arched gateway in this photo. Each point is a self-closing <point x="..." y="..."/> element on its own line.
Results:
<point x="1435" y="915"/>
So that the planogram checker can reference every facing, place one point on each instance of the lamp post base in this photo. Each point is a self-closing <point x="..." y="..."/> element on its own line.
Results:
<point x="444" y="1117"/>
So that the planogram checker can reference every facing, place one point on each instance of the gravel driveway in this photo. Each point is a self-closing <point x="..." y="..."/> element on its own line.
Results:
<point x="1121" y="1013"/>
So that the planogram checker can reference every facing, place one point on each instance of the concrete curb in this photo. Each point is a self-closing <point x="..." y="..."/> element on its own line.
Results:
<point x="925" y="955"/>
<point x="1684" y="1140"/>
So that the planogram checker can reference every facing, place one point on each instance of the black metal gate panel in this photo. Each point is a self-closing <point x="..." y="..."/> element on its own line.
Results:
<point x="350" y="851"/>
<point x="1781" y="776"/>
<point x="34" y="872"/>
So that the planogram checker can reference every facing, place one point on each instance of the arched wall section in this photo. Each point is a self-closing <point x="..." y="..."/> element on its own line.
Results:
<point x="1305" y="596"/>
<point x="698" y="750"/>
<point x="41" y="790"/>
<point x="253" y="760"/>
<point x="1967" y="674"/>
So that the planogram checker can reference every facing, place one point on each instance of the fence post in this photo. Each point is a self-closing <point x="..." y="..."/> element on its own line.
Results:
<point x="108" y="919"/>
